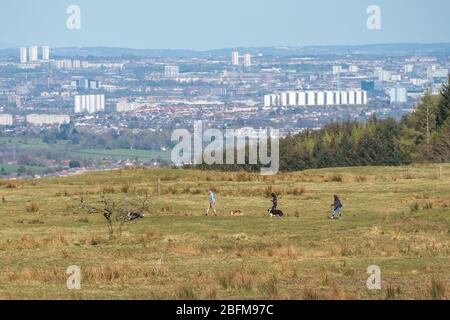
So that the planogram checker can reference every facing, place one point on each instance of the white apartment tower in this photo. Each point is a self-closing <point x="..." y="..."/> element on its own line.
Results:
<point x="292" y="98"/>
<point x="235" y="58"/>
<point x="398" y="95"/>
<point x="23" y="55"/>
<point x="284" y="99"/>
<point x="329" y="98"/>
<point x="316" y="98"/>
<point x="89" y="103"/>
<point x="320" y="98"/>
<point x="247" y="60"/>
<point x="45" y="53"/>
<point x="311" y="98"/>
<point x="33" y="53"/>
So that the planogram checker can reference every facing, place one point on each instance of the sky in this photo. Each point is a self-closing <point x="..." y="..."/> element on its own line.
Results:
<point x="214" y="24"/>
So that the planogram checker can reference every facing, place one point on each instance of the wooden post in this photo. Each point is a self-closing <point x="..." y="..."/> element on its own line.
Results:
<point x="158" y="187"/>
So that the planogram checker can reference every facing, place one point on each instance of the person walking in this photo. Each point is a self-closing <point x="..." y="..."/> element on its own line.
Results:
<point x="336" y="207"/>
<point x="274" y="202"/>
<point x="212" y="203"/>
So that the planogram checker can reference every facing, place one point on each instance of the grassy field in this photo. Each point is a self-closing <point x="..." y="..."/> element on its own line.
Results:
<point x="33" y="145"/>
<point x="396" y="218"/>
<point x="95" y="154"/>
<point x="117" y="154"/>
<point x="12" y="168"/>
<point x="25" y="143"/>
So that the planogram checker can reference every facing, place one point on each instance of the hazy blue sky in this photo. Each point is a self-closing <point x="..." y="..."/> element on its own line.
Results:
<point x="208" y="24"/>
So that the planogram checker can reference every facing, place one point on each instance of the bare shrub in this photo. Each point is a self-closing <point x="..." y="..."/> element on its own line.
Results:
<point x="117" y="212"/>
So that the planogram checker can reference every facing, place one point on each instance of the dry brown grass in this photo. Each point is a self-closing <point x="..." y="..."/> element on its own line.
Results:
<point x="10" y="184"/>
<point x="284" y="250"/>
<point x="39" y="275"/>
<point x="108" y="189"/>
<point x="337" y="293"/>
<point x="185" y="292"/>
<point x="324" y="277"/>
<point x="176" y="253"/>
<point x="126" y="187"/>
<point x="438" y="290"/>
<point x="269" y="288"/>
<point x="242" y="279"/>
<point x="310" y="293"/>
<point x="32" y="208"/>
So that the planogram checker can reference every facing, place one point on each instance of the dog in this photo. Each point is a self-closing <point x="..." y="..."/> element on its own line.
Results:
<point x="236" y="213"/>
<point x="275" y="213"/>
<point x="131" y="216"/>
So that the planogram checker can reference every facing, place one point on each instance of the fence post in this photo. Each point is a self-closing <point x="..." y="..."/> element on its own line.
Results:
<point x="158" y="187"/>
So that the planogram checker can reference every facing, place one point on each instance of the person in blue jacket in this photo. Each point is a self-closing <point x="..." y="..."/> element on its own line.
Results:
<point x="212" y="203"/>
<point x="337" y="207"/>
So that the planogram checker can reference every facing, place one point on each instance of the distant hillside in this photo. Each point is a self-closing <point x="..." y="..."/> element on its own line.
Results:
<point x="377" y="49"/>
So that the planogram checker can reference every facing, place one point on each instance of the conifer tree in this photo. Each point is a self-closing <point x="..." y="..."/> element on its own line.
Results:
<point x="444" y="106"/>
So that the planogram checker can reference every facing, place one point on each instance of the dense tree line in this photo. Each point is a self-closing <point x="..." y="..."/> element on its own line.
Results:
<point x="421" y="136"/>
<point x="376" y="142"/>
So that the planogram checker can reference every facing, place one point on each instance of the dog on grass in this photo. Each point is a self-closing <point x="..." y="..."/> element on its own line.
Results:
<point x="131" y="216"/>
<point x="275" y="213"/>
<point x="236" y="213"/>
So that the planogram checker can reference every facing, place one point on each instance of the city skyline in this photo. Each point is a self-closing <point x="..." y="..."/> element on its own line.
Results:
<point x="203" y="26"/>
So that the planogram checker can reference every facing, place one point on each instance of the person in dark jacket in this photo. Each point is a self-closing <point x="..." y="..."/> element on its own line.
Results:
<point x="274" y="202"/>
<point x="336" y="207"/>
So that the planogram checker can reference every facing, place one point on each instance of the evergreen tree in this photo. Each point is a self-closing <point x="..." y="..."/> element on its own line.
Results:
<point x="443" y="112"/>
<point x="441" y="144"/>
<point x="423" y="121"/>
